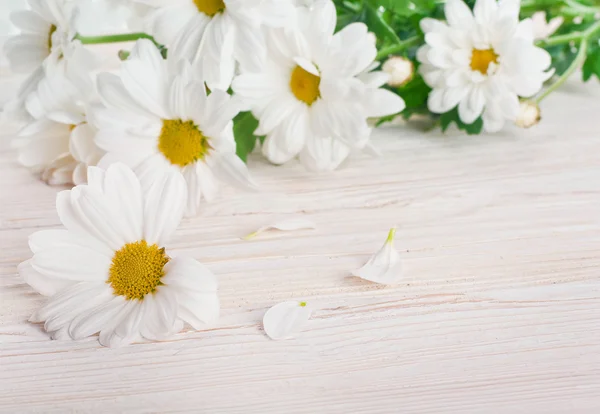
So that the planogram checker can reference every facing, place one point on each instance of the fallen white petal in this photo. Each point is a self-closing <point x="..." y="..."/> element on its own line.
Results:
<point x="284" y="225"/>
<point x="385" y="266"/>
<point x="285" y="319"/>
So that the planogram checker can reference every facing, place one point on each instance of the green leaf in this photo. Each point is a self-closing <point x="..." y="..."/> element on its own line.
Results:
<point x="452" y="116"/>
<point x="244" y="125"/>
<point x="415" y="94"/>
<point x="591" y="66"/>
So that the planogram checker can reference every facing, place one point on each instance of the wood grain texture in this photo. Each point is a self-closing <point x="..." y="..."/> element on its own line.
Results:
<point x="499" y="313"/>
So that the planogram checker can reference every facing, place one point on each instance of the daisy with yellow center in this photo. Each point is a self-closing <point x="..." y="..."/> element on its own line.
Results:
<point x="481" y="61"/>
<point x="156" y="118"/>
<point x="44" y="38"/>
<point x="214" y="34"/>
<point x="108" y="272"/>
<point x="314" y="94"/>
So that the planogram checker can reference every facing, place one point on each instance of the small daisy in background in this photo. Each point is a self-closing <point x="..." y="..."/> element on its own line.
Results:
<point x="214" y="34"/>
<point x="156" y="118"/>
<point x="108" y="272"/>
<point x="482" y="61"/>
<point x="316" y="90"/>
<point x="46" y="40"/>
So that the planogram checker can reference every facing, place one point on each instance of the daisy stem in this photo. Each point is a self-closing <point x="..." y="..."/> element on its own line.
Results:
<point x="128" y="37"/>
<point x="570" y="37"/>
<point x="399" y="47"/>
<point x="577" y="62"/>
<point x="391" y="235"/>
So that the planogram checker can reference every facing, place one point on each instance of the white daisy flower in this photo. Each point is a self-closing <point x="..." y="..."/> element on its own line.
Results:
<point x="158" y="118"/>
<point x="59" y="142"/>
<point x="213" y="34"/>
<point x="400" y="69"/>
<point x="316" y="90"/>
<point x="45" y="48"/>
<point x="59" y="152"/>
<point x="109" y="272"/>
<point x="481" y="61"/>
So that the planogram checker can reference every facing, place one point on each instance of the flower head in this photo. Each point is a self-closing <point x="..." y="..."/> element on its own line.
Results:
<point x="213" y="34"/>
<point x="400" y="69"/>
<point x="481" y="61"/>
<point x="529" y="114"/>
<point x="316" y="90"/>
<point x="157" y="118"/>
<point x="109" y="272"/>
<point x="45" y="44"/>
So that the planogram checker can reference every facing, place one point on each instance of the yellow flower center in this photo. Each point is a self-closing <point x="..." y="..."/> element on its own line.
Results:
<point x="182" y="142"/>
<point x="210" y="7"/>
<point x="481" y="59"/>
<point x="50" y="33"/>
<point x="136" y="269"/>
<point x="305" y="86"/>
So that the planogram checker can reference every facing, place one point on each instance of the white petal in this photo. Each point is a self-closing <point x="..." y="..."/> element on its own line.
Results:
<point x="44" y="285"/>
<point x="285" y="319"/>
<point x="296" y="223"/>
<point x="164" y="207"/>
<point x="96" y="318"/>
<point x="385" y="267"/>
<point x="161" y="314"/>
<point x="231" y="169"/>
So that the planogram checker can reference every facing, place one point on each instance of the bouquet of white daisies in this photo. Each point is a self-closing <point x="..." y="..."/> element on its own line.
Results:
<point x="197" y="85"/>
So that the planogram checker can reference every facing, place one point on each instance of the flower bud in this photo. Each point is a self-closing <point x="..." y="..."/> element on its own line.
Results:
<point x="400" y="69"/>
<point x="529" y="115"/>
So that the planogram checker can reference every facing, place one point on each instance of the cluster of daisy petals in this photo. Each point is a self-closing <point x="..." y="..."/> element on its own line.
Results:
<point x="149" y="141"/>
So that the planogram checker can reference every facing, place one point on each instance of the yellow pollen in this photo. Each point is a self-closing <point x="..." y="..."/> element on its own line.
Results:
<point x="481" y="59"/>
<point x="136" y="269"/>
<point x="182" y="142"/>
<point x="210" y="7"/>
<point x="50" y="33"/>
<point x="305" y="86"/>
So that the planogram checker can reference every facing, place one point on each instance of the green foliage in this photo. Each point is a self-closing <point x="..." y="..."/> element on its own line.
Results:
<point x="415" y="95"/>
<point x="452" y="116"/>
<point x="244" y="125"/>
<point x="591" y="66"/>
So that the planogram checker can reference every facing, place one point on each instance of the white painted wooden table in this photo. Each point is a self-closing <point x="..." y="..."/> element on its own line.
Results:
<point x="500" y="311"/>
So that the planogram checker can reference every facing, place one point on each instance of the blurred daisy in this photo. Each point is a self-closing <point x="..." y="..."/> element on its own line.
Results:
<point x="109" y="272"/>
<point x="316" y="90"/>
<point x="45" y="48"/>
<point x="481" y="61"/>
<point x="213" y="34"/>
<point x="59" y="142"/>
<point x="157" y="118"/>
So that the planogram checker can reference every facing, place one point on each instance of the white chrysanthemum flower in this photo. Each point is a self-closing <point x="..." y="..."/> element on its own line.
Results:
<point x="59" y="152"/>
<point x="400" y="69"/>
<point x="45" y="48"/>
<point x="385" y="266"/>
<point x="108" y="272"/>
<point x="529" y="115"/>
<point x="543" y="29"/>
<point x="213" y="34"/>
<point x="316" y="90"/>
<point x="59" y="142"/>
<point x="158" y="118"/>
<point x="481" y="61"/>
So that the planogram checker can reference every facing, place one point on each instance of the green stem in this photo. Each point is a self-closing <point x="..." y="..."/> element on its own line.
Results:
<point x="128" y="37"/>
<point x="570" y="37"/>
<point x="399" y="47"/>
<point x="577" y="62"/>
